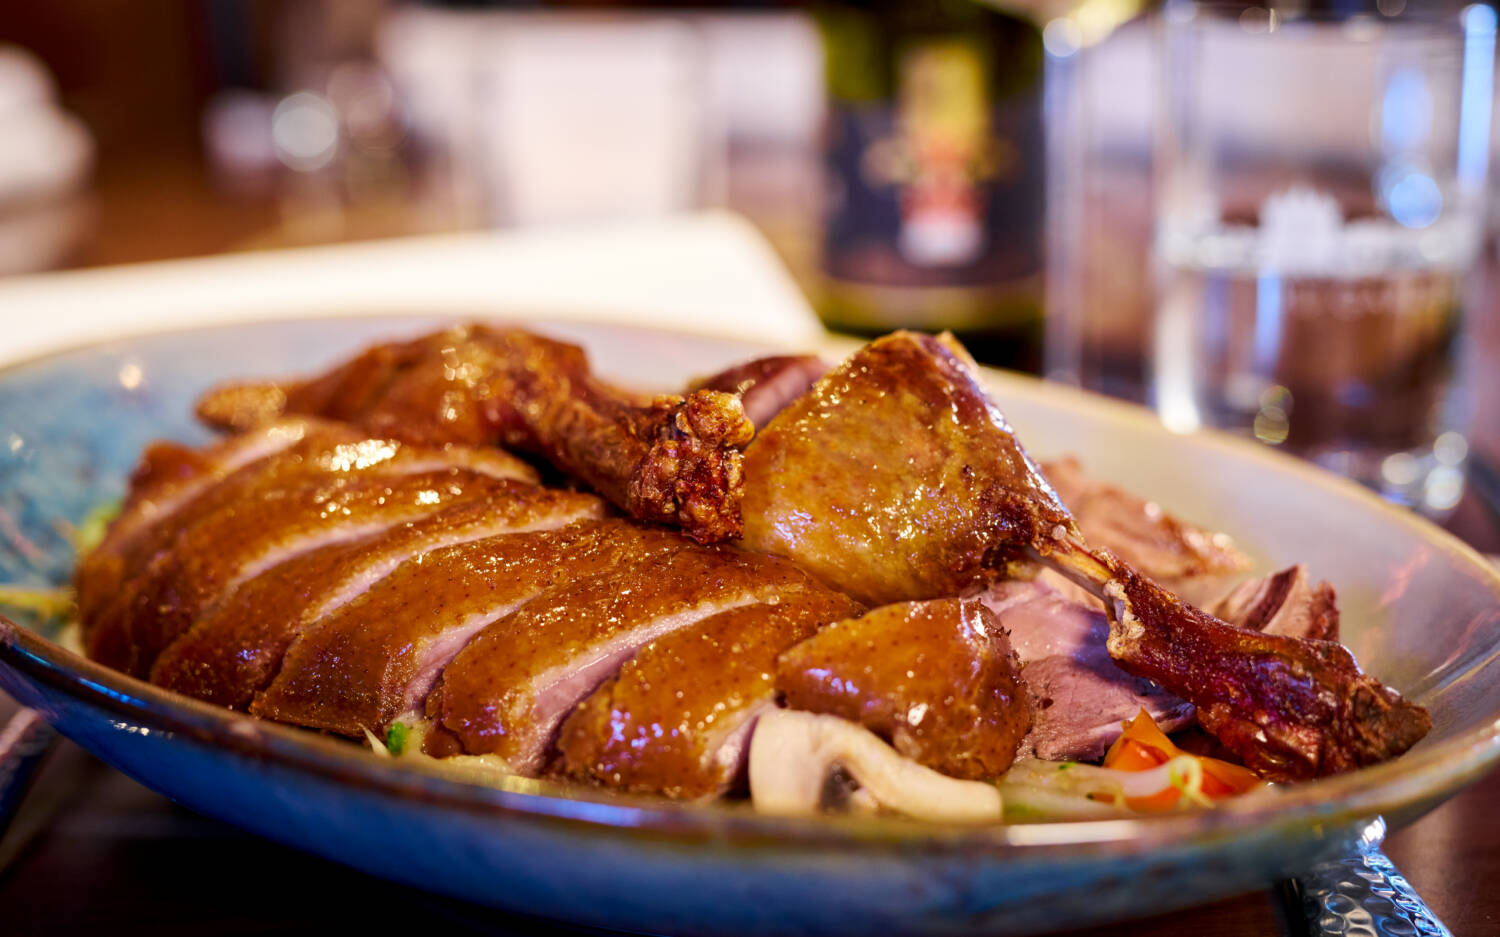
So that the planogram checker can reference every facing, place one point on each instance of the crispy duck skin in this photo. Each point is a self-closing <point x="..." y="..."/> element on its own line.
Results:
<point x="677" y="717"/>
<point x="378" y="656"/>
<point x="896" y="478"/>
<point x="233" y="652"/>
<point x="174" y="488"/>
<point x="319" y="491"/>
<point x="169" y="477"/>
<point x="217" y="556"/>
<point x="937" y="679"/>
<point x="510" y="688"/>
<point x="667" y="460"/>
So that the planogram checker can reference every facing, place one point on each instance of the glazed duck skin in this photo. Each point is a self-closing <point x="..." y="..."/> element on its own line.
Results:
<point x="508" y="691"/>
<point x="216" y="557"/>
<point x="668" y="460"/>
<point x="317" y="492"/>
<point x="827" y="487"/>
<point x="175" y="486"/>
<point x="378" y="657"/>
<point x="169" y="478"/>
<point x="706" y="687"/>
<point x="938" y="679"/>
<point x="895" y="478"/>
<point x="232" y="653"/>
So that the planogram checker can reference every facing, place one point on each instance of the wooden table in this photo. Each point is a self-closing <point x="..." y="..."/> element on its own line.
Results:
<point x="93" y="852"/>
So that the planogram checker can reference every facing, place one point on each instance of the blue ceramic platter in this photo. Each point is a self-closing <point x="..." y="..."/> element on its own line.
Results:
<point x="1420" y="610"/>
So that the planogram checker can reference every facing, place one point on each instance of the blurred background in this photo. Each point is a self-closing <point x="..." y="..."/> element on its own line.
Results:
<point x="188" y="128"/>
<point x="1063" y="183"/>
<point x="200" y="126"/>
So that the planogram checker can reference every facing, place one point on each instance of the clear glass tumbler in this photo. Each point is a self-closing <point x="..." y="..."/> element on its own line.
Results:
<point x="1320" y="207"/>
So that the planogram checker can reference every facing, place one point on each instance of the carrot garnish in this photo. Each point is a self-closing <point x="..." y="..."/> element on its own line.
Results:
<point x="1143" y="746"/>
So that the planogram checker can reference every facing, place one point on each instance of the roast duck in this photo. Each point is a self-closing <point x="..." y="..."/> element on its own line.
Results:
<point x="789" y="573"/>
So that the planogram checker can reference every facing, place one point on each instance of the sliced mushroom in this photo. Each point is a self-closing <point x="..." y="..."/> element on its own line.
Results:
<point x="793" y="754"/>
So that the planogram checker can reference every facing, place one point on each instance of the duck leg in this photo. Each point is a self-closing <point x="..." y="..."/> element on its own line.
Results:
<point x="897" y="478"/>
<point x="667" y="459"/>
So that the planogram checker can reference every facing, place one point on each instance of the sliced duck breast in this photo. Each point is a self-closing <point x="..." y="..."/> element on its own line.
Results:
<point x="1287" y="602"/>
<point x="506" y="693"/>
<point x="233" y="652"/>
<point x="175" y="487"/>
<point x="937" y="678"/>
<point x="378" y="656"/>
<point x="1080" y="696"/>
<point x="1196" y="563"/>
<point x="677" y="718"/>
<point x="141" y="541"/>
<point x="168" y="478"/>
<point x="213" y="558"/>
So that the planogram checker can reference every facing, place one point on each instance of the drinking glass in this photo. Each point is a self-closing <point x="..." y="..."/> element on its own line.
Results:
<point x="1320" y="204"/>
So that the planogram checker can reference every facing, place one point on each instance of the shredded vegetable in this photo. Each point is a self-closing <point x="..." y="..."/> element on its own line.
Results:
<point x="90" y="531"/>
<point x="396" y="737"/>
<point x="54" y="604"/>
<point x="47" y="604"/>
<point x="1142" y="773"/>
<point x="1144" y="747"/>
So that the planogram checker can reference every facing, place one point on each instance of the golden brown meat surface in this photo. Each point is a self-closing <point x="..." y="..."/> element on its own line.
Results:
<point x="510" y="688"/>
<point x="169" y="478"/>
<point x="337" y="574"/>
<point x="668" y="460"/>
<point x="937" y="678"/>
<point x="676" y="718"/>
<point x="897" y="478"/>
<point x="379" y="656"/>
<point x="232" y="652"/>
<point x="894" y="478"/>
<point x="151" y="579"/>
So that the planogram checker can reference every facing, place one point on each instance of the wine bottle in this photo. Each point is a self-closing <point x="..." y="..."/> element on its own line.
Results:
<point x="934" y="158"/>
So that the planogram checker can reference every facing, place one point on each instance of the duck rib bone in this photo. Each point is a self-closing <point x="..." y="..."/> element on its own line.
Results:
<point x="1290" y="708"/>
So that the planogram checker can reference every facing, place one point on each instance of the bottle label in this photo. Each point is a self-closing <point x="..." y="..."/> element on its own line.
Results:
<point x="941" y="187"/>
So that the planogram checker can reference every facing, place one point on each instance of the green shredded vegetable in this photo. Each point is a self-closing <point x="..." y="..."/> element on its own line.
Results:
<point x="396" y="737"/>
<point x="1074" y="790"/>
<point x="53" y="603"/>
<point x="90" y="531"/>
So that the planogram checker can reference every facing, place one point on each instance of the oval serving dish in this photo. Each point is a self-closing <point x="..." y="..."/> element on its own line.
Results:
<point x="1420" y="610"/>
